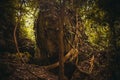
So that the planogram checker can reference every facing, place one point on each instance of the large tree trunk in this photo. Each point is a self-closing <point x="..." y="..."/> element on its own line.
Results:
<point x="46" y="31"/>
<point x="53" y="27"/>
<point x="40" y="36"/>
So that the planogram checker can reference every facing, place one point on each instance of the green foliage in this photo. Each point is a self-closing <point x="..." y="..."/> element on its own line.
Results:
<point x="7" y="12"/>
<point x="97" y="36"/>
<point x="27" y="20"/>
<point x="97" y="29"/>
<point x="117" y="31"/>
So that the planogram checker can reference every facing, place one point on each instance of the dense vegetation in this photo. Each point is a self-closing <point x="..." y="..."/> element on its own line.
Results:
<point x="71" y="39"/>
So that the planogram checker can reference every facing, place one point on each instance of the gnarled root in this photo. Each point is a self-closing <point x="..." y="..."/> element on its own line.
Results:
<point x="73" y="53"/>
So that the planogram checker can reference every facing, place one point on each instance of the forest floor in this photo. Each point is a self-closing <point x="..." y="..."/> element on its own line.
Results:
<point x="11" y="69"/>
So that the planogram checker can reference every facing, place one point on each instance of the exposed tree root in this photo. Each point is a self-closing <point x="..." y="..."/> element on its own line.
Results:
<point x="72" y="54"/>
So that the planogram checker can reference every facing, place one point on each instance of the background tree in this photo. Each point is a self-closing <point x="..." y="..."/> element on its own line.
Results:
<point x="112" y="9"/>
<point x="7" y="15"/>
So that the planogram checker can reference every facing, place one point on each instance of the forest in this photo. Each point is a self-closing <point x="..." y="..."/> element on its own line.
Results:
<point x="59" y="40"/>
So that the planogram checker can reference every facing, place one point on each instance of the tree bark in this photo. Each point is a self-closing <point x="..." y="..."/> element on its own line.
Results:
<point x="15" y="38"/>
<point x="61" y="42"/>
